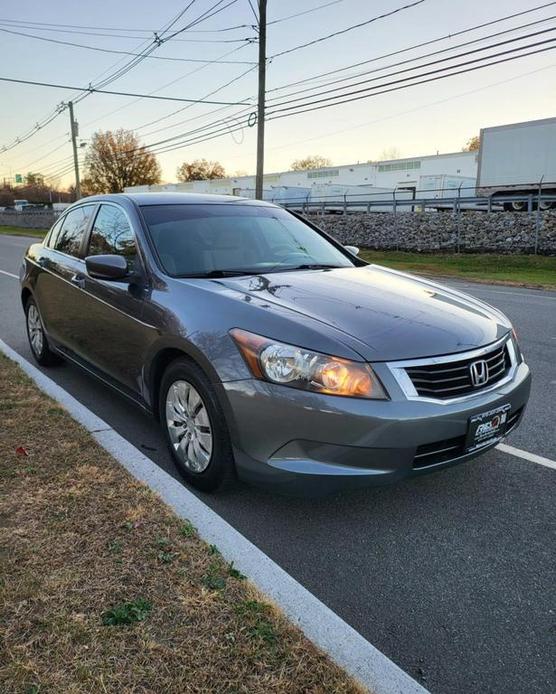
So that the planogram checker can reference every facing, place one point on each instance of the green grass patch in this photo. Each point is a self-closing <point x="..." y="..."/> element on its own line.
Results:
<point x="21" y="231"/>
<point x="520" y="270"/>
<point x="127" y="613"/>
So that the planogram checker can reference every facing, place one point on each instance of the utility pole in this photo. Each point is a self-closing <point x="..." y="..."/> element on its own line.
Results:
<point x="261" y="103"/>
<point x="74" y="133"/>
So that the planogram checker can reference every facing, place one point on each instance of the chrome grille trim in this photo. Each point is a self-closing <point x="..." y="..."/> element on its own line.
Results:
<point x="398" y="370"/>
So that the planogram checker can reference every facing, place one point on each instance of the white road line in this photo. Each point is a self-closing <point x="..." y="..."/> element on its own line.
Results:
<point x="317" y="621"/>
<point x="9" y="274"/>
<point x="517" y="294"/>
<point x="533" y="457"/>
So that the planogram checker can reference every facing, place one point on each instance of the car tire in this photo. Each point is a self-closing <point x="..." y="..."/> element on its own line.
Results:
<point x="38" y="341"/>
<point x="195" y="428"/>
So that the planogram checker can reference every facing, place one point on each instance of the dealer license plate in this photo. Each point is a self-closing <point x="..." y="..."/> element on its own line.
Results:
<point x="487" y="428"/>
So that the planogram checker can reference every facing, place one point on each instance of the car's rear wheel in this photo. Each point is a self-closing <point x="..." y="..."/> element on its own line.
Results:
<point x="194" y="425"/>
<point x="37" y="337"/>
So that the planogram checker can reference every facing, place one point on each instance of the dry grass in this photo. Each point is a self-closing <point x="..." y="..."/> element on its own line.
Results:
<point x="84" y="547"/>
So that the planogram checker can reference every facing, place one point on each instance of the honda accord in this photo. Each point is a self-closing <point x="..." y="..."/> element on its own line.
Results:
<point x="265" y="348"/>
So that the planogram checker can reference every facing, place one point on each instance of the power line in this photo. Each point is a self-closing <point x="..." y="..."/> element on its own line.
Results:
<point x="93" y="90"/>
<point x="288" y="98"/>
<point x="299" y="14"/>
<point x="350" y="28"/>
<point x="414" y="84"/>
<point x="168" y="84"/>
<point x="302" y="108"/>
<point x="159" y="39"/>
<point x="66" y="28"/>
<point x="415" y="67"/>
<point x="113" y="50"/>
<point x="418" y="45"/>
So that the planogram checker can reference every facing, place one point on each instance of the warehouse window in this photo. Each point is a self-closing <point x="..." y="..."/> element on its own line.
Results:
<point x="323" y="174"/>
<point x="400" y="166"/>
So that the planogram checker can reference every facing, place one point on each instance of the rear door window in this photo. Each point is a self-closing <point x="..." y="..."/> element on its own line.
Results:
<point x="112" y="235"/>
<point x="73" y="229"/>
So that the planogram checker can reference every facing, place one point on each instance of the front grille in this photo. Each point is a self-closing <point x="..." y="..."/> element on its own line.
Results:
<point x="452" y="379"/>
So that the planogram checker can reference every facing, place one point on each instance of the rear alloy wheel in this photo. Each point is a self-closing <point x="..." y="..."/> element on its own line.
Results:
<point x="37" y="338"/>
<point x="195" y="428"/>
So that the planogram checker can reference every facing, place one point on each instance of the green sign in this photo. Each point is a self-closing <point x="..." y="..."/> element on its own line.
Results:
<point x="18" y="178"/>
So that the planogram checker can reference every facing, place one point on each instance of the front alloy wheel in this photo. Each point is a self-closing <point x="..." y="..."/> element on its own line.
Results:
<point x="188" y="426"/>
<point x="195" y="426"/>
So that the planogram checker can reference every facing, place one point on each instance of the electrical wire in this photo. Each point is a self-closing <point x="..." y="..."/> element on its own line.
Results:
<point x="300" y="14"/>
<point x="418" y="45"/>
<point x="164" y="146"/>
<point x="159" y="39"/>
<point x="350" y="28"/>
<point x="98" y="49"/>
<point x="93" y="90"/>
<point x="288" y="98"/>
<point x="164" y="86"/>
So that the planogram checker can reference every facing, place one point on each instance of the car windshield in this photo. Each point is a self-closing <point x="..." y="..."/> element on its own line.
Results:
<point x="215" y="240"/>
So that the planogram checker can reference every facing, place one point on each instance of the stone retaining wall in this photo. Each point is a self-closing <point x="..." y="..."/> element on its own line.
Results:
<point x="40" y="219"/>
<point x="470" y="232"/>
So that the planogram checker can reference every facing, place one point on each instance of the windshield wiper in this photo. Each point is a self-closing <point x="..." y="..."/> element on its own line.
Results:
<point x="314" y="266"/>
<point x="221" y="273"/>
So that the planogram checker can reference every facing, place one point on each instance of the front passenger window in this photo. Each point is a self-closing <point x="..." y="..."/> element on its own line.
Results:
<point x="112" y="235"/>
<point x="73" y="229"/>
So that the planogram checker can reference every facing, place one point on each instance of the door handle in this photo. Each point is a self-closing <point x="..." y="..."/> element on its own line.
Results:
<point x="78" y="280"/>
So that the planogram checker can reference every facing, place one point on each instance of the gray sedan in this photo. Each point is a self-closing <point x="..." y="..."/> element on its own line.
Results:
<point x="265" y="348"/>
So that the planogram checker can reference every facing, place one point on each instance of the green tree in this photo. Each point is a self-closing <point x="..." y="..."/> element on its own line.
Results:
<point x="115" y="159"/>
<point x="200" y="170"/>
<point x="472" y="145"/>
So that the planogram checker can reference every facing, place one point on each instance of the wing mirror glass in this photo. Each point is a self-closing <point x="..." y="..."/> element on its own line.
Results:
<point x="354" y="250"/>
<point x="107" y="267"/>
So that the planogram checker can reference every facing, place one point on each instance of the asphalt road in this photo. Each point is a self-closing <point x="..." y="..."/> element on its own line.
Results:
<point x="451" y="575"/>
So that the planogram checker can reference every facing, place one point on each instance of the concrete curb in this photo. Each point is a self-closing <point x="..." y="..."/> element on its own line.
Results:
<point x="319" y="623"/>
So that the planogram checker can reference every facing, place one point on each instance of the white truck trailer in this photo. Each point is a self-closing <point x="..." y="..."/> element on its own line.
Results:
<point x="517" y="160"/>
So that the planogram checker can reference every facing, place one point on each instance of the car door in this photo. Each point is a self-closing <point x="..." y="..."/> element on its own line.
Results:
<point x="58" y="288"/>
<point x="112" y="333"/>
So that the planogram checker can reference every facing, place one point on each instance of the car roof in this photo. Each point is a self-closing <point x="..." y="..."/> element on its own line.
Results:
<point x="170" y="198"/>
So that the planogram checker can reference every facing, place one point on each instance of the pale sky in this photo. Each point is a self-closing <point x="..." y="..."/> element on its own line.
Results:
<point x="420" y="120"/>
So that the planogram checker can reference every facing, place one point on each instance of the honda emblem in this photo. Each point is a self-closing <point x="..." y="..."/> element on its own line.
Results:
<point x="479" y="373"/>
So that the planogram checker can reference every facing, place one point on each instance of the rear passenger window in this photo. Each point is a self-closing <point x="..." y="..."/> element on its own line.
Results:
<point x="112" y="235"/>
<point x="73" y="228"/>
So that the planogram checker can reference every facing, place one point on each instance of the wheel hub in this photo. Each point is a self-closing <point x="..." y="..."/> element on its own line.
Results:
<point x="189" y="426"/>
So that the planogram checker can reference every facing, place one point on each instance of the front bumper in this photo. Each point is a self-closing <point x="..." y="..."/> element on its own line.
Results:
<point x="302" y="442"/>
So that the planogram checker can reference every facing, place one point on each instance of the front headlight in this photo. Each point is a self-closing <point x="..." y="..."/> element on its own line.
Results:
<point x="301" y="368"/>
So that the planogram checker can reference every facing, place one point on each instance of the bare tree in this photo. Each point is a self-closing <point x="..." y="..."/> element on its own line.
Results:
<point x="116" y="159"/>
<point x="313" y="161"/>
<point x="200" y="170"/>
<point x="389" y="153"/>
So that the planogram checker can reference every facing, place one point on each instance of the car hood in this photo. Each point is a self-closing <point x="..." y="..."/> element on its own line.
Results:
<point x="387" y="314"/>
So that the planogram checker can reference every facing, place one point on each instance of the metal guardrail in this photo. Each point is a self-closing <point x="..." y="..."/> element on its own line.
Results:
<point x="455" y="204"/>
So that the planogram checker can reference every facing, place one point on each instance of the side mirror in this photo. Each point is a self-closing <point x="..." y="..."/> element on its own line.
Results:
<point x="107" y="267"/>
<point x="354" y="250"/>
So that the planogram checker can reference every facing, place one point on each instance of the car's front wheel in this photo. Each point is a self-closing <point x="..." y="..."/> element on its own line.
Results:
<point x="195" y="427"/>
<point x="37" y="337"/>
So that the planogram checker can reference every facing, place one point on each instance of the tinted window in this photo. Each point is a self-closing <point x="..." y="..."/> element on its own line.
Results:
<point x="54" y="233"/>
<point x="199" y="239"/>
<point x="112" y="235"/>
<point x="73" y="228"/>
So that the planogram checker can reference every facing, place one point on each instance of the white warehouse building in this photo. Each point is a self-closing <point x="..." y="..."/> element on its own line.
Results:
<point x="440" y="172"/>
